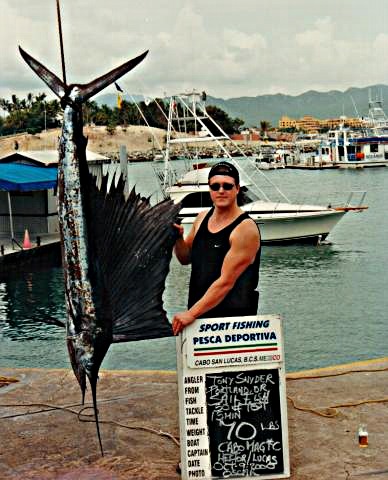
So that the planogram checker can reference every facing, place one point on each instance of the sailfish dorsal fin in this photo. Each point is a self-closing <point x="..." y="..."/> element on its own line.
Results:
<point x="87" y="90"/>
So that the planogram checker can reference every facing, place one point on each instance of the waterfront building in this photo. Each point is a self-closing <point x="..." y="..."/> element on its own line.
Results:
<point x="28" y="190"/>
<point x="310" y="124"/>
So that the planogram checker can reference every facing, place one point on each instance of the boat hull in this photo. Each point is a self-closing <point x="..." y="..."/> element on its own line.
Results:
<point x="306" y="227"/>
<point x="363" y="164"/>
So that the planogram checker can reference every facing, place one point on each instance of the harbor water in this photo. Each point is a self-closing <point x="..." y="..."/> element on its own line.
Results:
<point x="333" y="297"/>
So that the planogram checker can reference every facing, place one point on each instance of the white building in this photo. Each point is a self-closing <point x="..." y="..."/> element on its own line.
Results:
<point x="28" y="190"/>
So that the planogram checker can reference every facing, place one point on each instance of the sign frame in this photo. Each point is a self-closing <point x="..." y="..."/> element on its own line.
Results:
<point x="214" y="346"/>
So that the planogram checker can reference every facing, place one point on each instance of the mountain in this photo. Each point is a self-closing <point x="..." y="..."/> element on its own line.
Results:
<point x="271" y="108"/>
<point x="323" y="105"/>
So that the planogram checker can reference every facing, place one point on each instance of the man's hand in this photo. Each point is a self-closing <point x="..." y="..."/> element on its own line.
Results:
<point x="181" y="320"/>
<point x="179" y="229"/>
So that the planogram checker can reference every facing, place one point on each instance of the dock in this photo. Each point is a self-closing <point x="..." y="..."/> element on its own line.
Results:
<point x="46" y="434"/>
<point x="301" y="166"/>
<point x="45" y="251"/>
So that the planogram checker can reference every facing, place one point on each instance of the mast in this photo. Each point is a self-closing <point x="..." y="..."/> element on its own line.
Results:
<point x="166" y="179"/>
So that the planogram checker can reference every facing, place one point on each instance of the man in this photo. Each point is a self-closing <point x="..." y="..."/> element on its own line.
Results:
<point x="223" y="247"/>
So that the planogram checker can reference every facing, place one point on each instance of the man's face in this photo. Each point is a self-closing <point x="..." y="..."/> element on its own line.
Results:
<point x="223" y="190"/>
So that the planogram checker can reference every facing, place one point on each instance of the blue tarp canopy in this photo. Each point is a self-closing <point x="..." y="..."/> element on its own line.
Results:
<point x="25" y="178"/>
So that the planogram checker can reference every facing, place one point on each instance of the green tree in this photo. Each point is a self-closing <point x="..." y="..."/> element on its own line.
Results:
<point x="5" y="104"/>
<point x="153" y="112"/>
<point x="31" y="114"/>
<point x="35" y="113"/>
<point x="90" y="110"/>
<point x="288" y="130"/>
<point x="53" y="113"/>
<point x="264" y="127"/>
<point x="128" y="114"/>
<point x="229" y="125"/>
<point x="103" y="115"/>
<point x="111" y="127"/>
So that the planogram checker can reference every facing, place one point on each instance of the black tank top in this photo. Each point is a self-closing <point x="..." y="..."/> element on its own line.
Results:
<point x="207" y="256"/>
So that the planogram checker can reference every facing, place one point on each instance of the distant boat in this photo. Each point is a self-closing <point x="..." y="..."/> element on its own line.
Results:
<point x="344" y="147"/>
<point x="349" y="149"/>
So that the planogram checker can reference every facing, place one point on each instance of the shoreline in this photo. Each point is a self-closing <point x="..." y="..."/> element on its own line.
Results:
<point x="142" y="143"/>
<point x="45" y="440"/>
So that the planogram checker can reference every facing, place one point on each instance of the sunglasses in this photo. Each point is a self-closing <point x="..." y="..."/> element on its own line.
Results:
<point x="216" y="186"/>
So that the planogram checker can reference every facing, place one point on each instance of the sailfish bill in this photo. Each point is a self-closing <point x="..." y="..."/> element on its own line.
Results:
<point x="115" y="251"/>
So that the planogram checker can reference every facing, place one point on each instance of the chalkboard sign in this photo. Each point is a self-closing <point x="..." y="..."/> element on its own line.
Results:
<point x="244" y="423"/>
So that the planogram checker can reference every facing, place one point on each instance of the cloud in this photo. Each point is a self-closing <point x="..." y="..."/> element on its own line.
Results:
<point x="243" y="41"/>
<point x="320" y="35"/>
<point x="193" y="56"/>
<point x="197" y="44"/>
<point x="323" y="58"/>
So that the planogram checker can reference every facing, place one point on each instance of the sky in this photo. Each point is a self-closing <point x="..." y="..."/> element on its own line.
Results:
<point x="228" y="48"/>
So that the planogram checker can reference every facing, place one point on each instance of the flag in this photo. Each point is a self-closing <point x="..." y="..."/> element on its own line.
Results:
<point x="119" y="101"/>
<point x="119" y="97"/>
<point x="118" y="87"/>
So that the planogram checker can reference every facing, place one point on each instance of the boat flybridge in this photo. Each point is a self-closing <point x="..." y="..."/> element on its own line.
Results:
<point x="366" y="148"/>
<point x="280" y="221"/>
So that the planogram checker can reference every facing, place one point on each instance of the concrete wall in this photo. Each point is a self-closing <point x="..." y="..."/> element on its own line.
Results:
<point x="30" y="210"/>
<point x="52" y="210"/>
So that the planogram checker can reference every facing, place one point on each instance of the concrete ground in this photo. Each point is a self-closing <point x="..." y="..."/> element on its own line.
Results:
<point x="42" y="436"/>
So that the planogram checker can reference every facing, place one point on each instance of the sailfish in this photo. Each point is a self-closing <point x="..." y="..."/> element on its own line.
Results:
<point x="115" y="251"/>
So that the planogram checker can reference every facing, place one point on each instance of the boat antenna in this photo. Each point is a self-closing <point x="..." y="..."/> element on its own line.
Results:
<point x="355" y="106"/>
<point x="61" y="42"/>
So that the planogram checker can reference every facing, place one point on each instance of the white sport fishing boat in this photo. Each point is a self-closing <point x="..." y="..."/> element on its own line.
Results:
<point x="279" y="221"/>
<point x="346" y="147"/>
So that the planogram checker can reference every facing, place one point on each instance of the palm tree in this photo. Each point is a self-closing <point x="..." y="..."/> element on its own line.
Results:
<point x="30" y="98"/>
<point x="15" y="102"/>
<point x="264" y="127"/>
<point x="5" y="105"/>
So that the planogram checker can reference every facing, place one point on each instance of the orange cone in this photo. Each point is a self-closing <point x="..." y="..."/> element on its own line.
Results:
<point x="26" y="242"/>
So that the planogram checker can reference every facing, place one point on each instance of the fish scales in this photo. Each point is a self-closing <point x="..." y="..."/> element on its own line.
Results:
<point x="82" y="323"/>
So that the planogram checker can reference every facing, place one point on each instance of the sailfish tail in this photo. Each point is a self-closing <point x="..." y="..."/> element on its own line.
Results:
<point x="49" y="78"/>
<point x="86" y="91"/>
